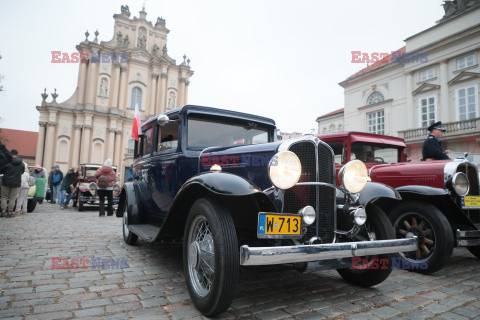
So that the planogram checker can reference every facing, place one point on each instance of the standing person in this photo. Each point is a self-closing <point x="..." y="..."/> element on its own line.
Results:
<point x="5" y="156"/>
<point x="11" y="182"/>
<point x="56" y="177"/>
<point x="106" y="178"/>
<point x="49" y="182"/>
<point x="66" y="187"/>
<point x="22" y="198"/>
<point x="432" y="149"/>
<point x="38" y="172"/>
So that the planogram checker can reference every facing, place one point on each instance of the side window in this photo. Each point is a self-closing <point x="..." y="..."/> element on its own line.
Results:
<point x="147" y="141"/>
<point x="168" y="137"/>
<point x="337" y="148"/>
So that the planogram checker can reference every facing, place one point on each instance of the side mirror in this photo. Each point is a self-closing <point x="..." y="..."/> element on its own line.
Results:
<point x="163" y="120"/>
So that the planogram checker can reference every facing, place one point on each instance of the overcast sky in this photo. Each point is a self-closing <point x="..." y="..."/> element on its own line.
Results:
<point x="275" y="58"/>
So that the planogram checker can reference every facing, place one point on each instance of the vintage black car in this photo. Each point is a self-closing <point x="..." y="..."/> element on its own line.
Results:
<point x="219" y="181"/>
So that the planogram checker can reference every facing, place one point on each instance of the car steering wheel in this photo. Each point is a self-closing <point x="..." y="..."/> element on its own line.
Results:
<point x="378" y="158"/>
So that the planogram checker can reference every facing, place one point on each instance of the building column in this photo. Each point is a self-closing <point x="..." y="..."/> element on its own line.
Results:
<point x="40" y="144"/>
<point x="81" y="82"/>
<point x="162" y="93"/>
<point x="443" y="108"/>
<point x="115" y="91"/>
<point x="86" y="144"/>
<point x="117" y="147"/>
<point x="153" y="91"/>
<point x="49" y="146"/>
<point x="410" y="112"/>
<point x="111" y="144"/>
<point x="91" y="85"/>
<point x="185" y="99"/>
<point x="76" y="145"/>
<point x="181" y="93"/>
<point x="122" y="89"/>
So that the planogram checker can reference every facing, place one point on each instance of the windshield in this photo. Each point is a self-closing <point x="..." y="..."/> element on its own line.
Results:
<point x="369" y="153"/>
<point x="208" y="133"/>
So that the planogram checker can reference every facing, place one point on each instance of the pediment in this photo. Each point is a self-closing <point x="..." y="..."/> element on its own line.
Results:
<point x="425" y="87"/>
<point x="464" y="76"/>
<point x="140" y="56"/>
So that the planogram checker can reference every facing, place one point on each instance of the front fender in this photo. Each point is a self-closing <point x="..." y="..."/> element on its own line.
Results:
<point x="222" y="183"/>
<point x="375" y="190"/>
<point x="128" y="203"/>
<point x="422" y="190"/>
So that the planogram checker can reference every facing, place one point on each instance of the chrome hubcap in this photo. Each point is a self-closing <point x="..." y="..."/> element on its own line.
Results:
<point x="201" y="256"/>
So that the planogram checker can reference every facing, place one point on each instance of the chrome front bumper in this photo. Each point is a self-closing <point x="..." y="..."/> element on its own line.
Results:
<point x="316" y="252"/>
<point x="468" y="238"/>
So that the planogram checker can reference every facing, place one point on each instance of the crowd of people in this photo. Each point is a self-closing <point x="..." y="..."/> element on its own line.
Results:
<point x="17" y="181"/>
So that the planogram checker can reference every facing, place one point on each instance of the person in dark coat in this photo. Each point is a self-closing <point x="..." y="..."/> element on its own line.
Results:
<point x="432" y="148"/>
<point x="5" y="156"/>
<point x="106" y="172"/>
<point x="66" y="188"/>
<point x="55" y="180"/>
<point x="11" y="182"/>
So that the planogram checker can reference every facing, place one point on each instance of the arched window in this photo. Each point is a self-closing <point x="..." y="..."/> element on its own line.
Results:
<point x="375" y="97"/>
<point x="136" y="98"/>
<point x="340" y="128"/>
<point x="332" y="128"/>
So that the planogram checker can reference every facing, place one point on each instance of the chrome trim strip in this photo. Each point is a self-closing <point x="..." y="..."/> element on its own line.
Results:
<point x="468" y="233"/>
<point x="254" y="256"/>
<point x="468" y="242"/>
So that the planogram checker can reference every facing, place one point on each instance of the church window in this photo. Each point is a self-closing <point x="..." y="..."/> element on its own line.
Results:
<point x="136" y="98"/>
<point x="376" y="122"/>
<point x="467" y="103"/>
<point x="375" y="97"/>
<point x="465" y="62"/>
<point x="427" y="108"/>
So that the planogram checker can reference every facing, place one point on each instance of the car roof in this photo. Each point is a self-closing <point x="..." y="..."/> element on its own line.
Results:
<point x="209" y="111"/>
<point x="357" y="136"/>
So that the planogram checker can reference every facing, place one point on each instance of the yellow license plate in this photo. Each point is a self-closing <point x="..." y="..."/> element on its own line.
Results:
<point x="471" y="201"/>
<point x="279" y="224"/>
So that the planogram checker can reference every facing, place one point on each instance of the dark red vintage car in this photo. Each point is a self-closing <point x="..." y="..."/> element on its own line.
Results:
<point x="85" y="192"/>
<point x="440" y="199"/>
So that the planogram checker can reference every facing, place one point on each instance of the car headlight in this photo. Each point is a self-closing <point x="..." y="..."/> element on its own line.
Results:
<point x="116" y="187"/>
<point x="284" y="169"/>
<point x="308" y="215"/>
<point x="92" y="186"/>
<point x="354" y="176"/>
<point x="359" y="216"/>
<point x="460" y="184"/>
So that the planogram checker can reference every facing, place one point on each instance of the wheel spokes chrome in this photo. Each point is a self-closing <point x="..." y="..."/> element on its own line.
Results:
<point x="201" y="257"/>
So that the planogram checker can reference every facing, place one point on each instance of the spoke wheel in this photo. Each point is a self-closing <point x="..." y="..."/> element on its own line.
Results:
<point x="201" y="256"/>
<point x="411" y="223"/>
<point x="435" y="236"/>
<point x="211" y="257"/>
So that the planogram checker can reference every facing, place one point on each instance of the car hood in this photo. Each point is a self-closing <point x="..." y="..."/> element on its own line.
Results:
<point x="427" y="173"/>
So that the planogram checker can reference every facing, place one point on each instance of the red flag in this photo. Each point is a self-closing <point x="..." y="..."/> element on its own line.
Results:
<point x="136" y="124"/>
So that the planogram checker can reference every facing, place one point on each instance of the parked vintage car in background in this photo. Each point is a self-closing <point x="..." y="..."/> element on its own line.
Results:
<point x="440" y="199"/>
<point x="85" y="192"/>
<point x="40" y="189"/>
<point x="219" y="181"/>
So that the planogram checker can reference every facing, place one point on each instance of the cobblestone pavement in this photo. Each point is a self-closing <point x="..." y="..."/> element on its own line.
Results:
<point x="153" y="287"/>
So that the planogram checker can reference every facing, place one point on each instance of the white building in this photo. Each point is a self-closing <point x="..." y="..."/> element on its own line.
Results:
<point x="331" y="122"/>
<point x="436" y="78"/>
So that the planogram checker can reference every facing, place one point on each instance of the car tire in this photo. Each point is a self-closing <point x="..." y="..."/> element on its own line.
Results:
<point x="129" y="237"/>
<point x="31" y="204"/>
<point x="372" y="274"/>
<point x="80" y="204"/>
<point x="211" y="278"/>
<point x="434" y="234"/>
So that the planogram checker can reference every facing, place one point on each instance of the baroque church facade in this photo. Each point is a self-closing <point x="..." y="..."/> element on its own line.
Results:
<point x="95" y="123"/>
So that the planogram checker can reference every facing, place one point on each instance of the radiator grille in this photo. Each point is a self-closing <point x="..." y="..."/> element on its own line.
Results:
<point x="319" y="197"/>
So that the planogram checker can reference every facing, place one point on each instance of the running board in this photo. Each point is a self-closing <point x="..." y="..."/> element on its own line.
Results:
<point x="146" y="232"/>
<point x="468" y="238"/>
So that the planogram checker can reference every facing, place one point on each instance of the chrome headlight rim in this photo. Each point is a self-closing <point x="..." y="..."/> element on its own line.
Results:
<point x="308" y="214"/>
<point x="92" y="186"/>
<point x="277" y="169"/>
<point x="347" y="174"/>
<point x="116" y="186"/>
<point x="359" y="216"/>
<point x="457" y="185"/>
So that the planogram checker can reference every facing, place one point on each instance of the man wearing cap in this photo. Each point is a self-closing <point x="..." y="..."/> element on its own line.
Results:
<point x="432" y="149"/>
